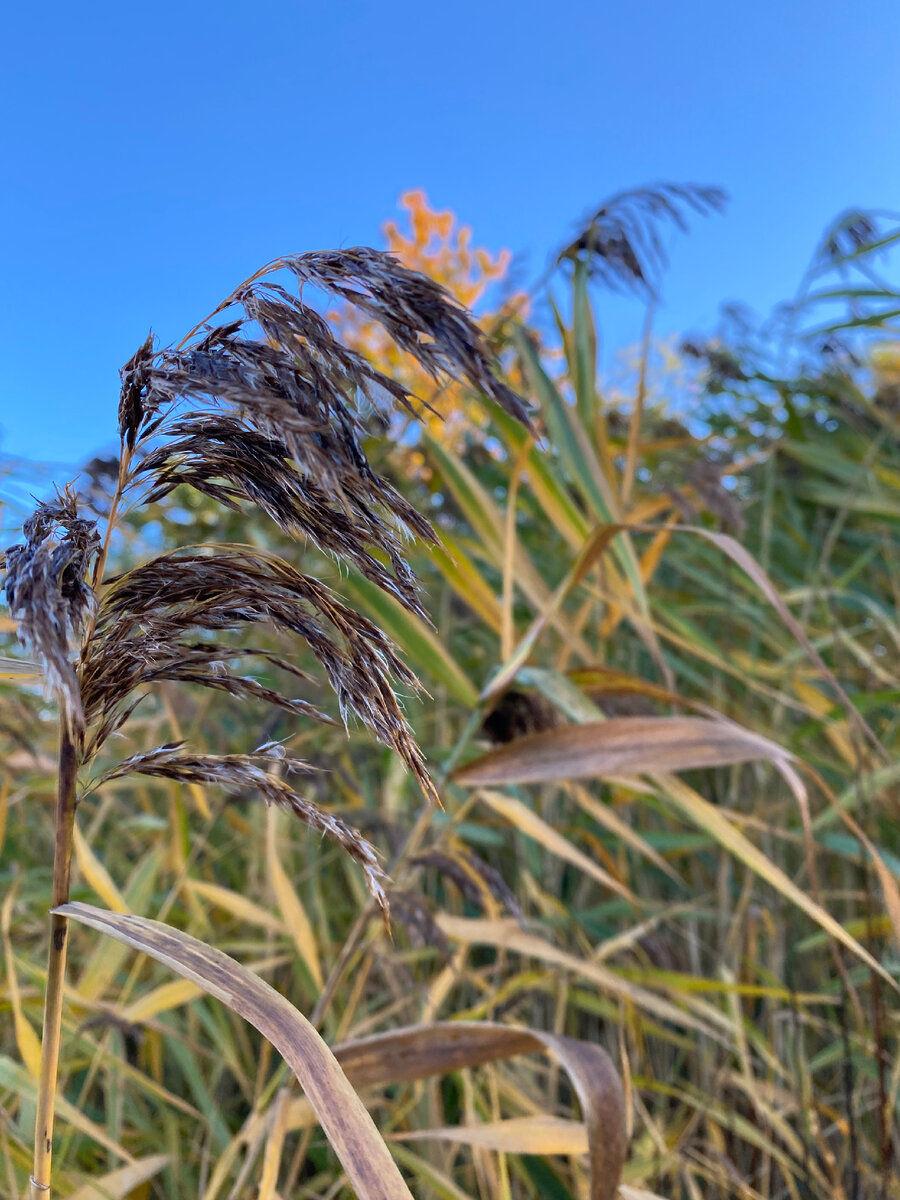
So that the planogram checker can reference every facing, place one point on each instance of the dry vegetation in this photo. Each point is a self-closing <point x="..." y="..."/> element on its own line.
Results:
<point x="652" y="673"/>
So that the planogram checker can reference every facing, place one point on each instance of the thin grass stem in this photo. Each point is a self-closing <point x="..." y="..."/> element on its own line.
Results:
<point x="56" y="969"/>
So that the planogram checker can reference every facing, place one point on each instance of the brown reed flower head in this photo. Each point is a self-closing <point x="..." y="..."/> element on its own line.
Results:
<point x="265" y="410"/>
<point x="621" y="244"/>
<point x="254" y="772"/>
<point x="474" y="878"/>
<point x="48" y="594"/>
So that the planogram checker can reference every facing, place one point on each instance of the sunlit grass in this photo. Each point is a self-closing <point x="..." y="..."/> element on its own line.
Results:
<point x="729" y="934"/>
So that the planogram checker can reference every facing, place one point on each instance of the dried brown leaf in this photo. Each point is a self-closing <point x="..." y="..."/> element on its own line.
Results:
<point x="350" y="1130"/>
<point x="619" y="746"/>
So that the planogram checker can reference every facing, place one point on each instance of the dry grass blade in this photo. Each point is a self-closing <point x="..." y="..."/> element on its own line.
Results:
<point x="416" y="1053"/>
<point x="507" y="935"/>
<point x="621" y="745"/>
<point x="521" y="817"/>
<point x="516" y="1135"/>
<point x="350" y="1130"/>
<point x="621" y="243"/>
<point x="17" y="668"/>
<point x="711" y="819"/>
<point x="123" y="1182"/>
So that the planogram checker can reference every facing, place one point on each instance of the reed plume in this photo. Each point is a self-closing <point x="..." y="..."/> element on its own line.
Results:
<point x="260" y="407"/>
<point x="620" y="243"/>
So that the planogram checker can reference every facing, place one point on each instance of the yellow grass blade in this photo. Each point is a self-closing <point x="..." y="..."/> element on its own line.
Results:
<point x="595" y="546"/>
<point x="161" y="999"/>
<point x="96" y="875"/>
<point x="17" y="1081"/>
<point x="451" y="559"/>
<point x="27" y="1041"/>
<point x="106" y="960"/>
<point x="236" y="904"/>
<point x="736" y="552"/>
<point x="292" y="910"/>
<point x="528" y="822"/>
<point x="437" y="1182"/>
<point x="122" y="1183"/>
<point x="885" y="878"/>
<point x="516" y="1135"/>
<point x="606" y="816"/>
<point x="274" y="1149"/>
<point x="4" y="808"/>
<point x="421" y="645"/>
<point x="714" y="822"/>
<point x="506" y="934"/>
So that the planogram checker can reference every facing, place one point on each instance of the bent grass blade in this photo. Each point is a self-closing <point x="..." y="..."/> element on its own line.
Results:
<point x="342" y="1115"/>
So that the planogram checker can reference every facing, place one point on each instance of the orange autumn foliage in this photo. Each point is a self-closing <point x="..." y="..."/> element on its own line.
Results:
<point x="437" y="245"/>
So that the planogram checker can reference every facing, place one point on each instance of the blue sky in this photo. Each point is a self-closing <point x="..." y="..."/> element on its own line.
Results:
<point x="155" y="155"/>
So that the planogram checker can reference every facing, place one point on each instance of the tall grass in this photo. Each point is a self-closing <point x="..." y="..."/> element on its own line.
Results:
<point x="662" y="726"/>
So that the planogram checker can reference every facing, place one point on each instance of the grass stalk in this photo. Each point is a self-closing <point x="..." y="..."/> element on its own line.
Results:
<point x="39" y="1187"/>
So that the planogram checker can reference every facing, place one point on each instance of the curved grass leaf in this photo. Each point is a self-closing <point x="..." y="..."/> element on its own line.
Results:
<point x="348" y="1126"/>
<point x="516" y="1135"/>
<point x="122" y="1182"/>
<point x="620" y="745"/>
<point x="425" y="1050"/>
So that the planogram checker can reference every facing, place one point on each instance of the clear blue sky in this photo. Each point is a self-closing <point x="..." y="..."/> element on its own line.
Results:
<point x="155" y="154"/>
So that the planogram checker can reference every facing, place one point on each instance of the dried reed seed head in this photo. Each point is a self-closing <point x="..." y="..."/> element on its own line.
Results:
<point x="301" y="363"/>
<point x="237" y="467"/>
<point x="274" y="423"/>
<point x="49" y="596"/>
<point x="147" y="613"/>
<point x="133" y="409"/>
<point x="252" y="772"/>
<point x="279" y="422"/>
<point x="621" y="246"/>
<point x="108" y="683"/>
<point x="419" y="315"/>
<point x="706" y="478"/>
<point x="855" y="231"/>
<point x="474" y="878"/>
<point x="518" y="713"/>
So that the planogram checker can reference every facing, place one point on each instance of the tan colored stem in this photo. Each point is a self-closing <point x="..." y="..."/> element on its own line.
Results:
<point x="56" y="969"/>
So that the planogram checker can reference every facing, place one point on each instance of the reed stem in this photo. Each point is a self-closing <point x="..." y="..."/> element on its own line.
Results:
<point x="66" y="800"/>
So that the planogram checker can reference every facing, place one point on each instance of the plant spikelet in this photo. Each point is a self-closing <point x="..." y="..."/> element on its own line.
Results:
<point x="264" y="409"/>
<point x="49" y="596"/>
<point x="248" y="772"/>
<point x="621" y="245"/>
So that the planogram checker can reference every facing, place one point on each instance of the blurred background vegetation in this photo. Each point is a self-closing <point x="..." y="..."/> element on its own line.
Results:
<point x="655" y="914"/>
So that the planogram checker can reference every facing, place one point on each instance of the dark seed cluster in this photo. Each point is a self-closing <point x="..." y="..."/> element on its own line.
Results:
<point x="261" y="408"/>
<point x="49" y="596"/>
<point x="620" y="243"/>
